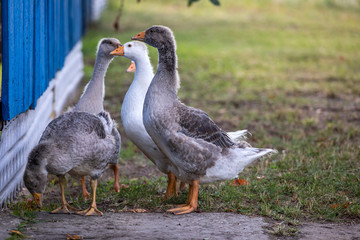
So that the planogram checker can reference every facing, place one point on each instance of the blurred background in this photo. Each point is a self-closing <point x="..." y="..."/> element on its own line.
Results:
<point x="286" y="70"/>
<point x="282" y="69"/>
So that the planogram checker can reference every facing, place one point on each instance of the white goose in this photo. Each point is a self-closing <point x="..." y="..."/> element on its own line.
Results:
<point x="197" y="149"/>
<point x="132" y="110"/>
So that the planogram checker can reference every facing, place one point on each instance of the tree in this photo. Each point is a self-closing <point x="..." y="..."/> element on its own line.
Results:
<point x="118" y="16"/>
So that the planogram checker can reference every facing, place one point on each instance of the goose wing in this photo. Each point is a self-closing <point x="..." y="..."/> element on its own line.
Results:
<point x="197" y="124"/>
<point x="64" y="124"/>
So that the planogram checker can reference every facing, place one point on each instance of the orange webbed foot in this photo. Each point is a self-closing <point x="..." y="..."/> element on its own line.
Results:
<point x="91" y="211"/>
<point x="188" y="208"/>
<point x="67" y="209"/>
<point x="192" y="201"/>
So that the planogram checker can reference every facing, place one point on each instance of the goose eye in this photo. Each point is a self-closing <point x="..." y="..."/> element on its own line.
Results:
<point x="129" y="45"/>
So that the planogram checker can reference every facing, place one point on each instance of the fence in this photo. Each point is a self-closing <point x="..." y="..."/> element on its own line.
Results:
<point x="42" y="64"/>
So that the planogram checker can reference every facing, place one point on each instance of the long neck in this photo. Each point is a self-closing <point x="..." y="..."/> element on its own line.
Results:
<point x="36" y="171"/>
<point x="167" y="57"/>
<point x="92" y="99"/>
<point x="133" y="103"/>
<point x="143" y="72"/>
<point x="167" y="69"/>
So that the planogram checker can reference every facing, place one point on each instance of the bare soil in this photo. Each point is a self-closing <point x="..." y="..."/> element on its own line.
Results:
<point x="166" y="226"/>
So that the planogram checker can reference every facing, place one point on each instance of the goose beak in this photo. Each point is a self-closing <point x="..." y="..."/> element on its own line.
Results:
<point x="119" y="51"/>
<point x="131" y="68"/>
<point x="38" y="200"/>
<point x="139" y="36"/>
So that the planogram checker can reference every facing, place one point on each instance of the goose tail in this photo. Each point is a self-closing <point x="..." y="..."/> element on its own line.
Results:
<point x="247" y="155"/>
<point x="238" y="136"/>
<point x="233" y="162"/>
<point x="108" y="123"/>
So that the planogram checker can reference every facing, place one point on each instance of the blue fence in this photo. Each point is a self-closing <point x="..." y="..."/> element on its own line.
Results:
<point x="36" y="37"/>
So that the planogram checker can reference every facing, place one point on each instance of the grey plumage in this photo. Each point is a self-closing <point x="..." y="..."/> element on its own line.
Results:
<point x="77" y="143"/>
<point x="196" y="123"/>
<point x="81" y="143"/>
<point x="188" y="136"/>
<point x="198" y="150"/>
<point x="92" y="100"/>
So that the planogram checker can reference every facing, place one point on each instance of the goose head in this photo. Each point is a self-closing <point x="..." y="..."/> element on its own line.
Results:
<point x="131" y="50"/>
<point x="157" y="36"/>
<point x="35" y="182"/>
<point x="106" y="46"/>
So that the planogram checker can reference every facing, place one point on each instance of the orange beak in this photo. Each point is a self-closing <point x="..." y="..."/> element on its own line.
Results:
<point x="139" y="36"/>
<point x="119" y="51"/>
<point x="38" y="200"/>
<point x="131" y="68"/>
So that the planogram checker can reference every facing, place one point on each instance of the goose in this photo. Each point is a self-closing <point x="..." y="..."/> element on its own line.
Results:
<point x="78" y="143"/>
<point x="132" y="110"/>
<point x="197" y="149"/>
<point x="92" y="99"/>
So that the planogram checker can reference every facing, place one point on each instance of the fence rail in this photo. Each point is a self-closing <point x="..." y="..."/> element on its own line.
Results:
<point x="42" y="63"/>
<point x="37" y="36"/>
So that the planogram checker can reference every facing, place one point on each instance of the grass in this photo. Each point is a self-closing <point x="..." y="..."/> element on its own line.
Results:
<point x="288" y="71"/>
<point x="25" y="210"/>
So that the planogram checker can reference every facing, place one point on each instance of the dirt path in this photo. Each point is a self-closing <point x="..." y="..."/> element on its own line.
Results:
<point x="167" y="226"/>
<point x="148" y="226"/>
<point x="7" y="222"/>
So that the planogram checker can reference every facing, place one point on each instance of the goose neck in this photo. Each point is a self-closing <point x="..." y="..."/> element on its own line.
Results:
<point x="168" y="58"/>
<point x="143" y="67"/>
<point x="100" y="68"/>
<point x="92" y="99"/>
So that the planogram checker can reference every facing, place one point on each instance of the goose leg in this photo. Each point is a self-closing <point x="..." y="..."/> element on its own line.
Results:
<point x="188" y="200"/>
<point x="192" y="200"/>
<point x="86" y="194"/>
<point x="115" y="168"/>
<point x="92" y="210"/>
<point x="182" y="186"/>
<point x="171" y="190"/>
<point x="65" y="207"/>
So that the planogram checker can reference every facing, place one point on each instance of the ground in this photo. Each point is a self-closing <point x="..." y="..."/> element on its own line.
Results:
<point x="286" y="70"/>
<point x="168" y="226"/>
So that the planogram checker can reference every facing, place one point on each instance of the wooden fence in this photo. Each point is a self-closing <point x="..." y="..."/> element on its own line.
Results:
<point x="41" y="64"/>
<point x="37" y="36"/>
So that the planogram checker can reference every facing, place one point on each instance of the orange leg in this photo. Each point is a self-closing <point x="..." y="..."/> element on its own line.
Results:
<point x="188" y="200"/>
<point x="115" y="168"/>
<point x="182" y="186"/>
<point x="86" y="194"/>
<point x="65" y="207"/>
<point x="171" y="190"/>
<point x="92" y="210"/>
<point x="192" y="201"/>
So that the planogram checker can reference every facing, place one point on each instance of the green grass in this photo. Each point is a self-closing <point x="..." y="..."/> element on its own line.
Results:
<point x="288" y="71"/>
<point x="24" y="210"/>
